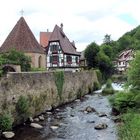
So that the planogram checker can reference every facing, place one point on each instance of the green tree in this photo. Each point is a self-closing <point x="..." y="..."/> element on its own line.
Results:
<point x="15" y="57"/>
<point x="134" y="72"/>
<point x="91" y="53"/>
<point x="105" y="65"/>
<point x="107" y="49"/>
<point x="107" y="39"/>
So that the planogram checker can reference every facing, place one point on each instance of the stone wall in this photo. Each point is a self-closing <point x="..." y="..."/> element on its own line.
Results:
<point x="41" y="90"/>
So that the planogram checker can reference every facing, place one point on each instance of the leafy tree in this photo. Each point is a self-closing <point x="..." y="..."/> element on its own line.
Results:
<point x="105" y="65"/>
<point x="91" y="53"/>
<point x="107" y="50"/>
<point x="15" y="57"/>
<point x="107" y="39"/>
<point x="134" y="72"/>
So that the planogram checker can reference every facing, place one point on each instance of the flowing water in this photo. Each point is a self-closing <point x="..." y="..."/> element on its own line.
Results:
<point x="70" y="122"/>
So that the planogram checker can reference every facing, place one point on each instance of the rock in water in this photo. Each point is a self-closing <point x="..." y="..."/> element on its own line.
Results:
<point x="36" y="119"/>
<point x="8" y="135"/>
<point x="101" y="126"/>
<point x="41" y="118"/>
<point x="54" y="127"/>
<point x="36" y="125"/>
<point x="90" y="109"/>
<point x="102" y="114"/>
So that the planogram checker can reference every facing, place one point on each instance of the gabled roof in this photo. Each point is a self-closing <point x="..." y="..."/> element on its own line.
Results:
<point x="22" y="39"/>
<point x="66" y="45"/>
<point x="44" y="38"/>
<point x="124" y="55"/>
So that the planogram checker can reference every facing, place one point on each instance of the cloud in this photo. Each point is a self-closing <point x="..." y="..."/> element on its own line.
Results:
<point x="84" y="21"/>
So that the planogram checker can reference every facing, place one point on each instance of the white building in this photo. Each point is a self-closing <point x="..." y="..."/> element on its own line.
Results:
<point x="61" y="53"/>
<point x="124" y="59"/>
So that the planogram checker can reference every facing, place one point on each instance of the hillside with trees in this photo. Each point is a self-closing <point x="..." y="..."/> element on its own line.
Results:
<point x="102" y="56"/>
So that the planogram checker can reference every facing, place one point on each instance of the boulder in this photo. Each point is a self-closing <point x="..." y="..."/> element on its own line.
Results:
<point x="49" y="113"/>
<point x="31" y="119"/>
<point x="101" y="126"/>
<point x="115" y="112"/>
<point x="36" y="125"/>
<point x="102" y="114"/>
<point x="41" y="118"/>
<point x="49" y="108"/>
<point x="36" y="119"/>
<point x="8" y="134"/>
<point x="54" y="127"/>
<point x="89" y="109"/>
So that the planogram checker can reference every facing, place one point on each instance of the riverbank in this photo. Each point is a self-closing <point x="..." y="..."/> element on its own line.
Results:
<point x="71" y="122"/>
<point x="126" y="107"/>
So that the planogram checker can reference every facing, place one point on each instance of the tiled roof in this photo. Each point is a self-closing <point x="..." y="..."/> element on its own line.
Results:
<point x="22" y="39"/>
<point x="66" y="45"/>
<point x="44" y="38"/>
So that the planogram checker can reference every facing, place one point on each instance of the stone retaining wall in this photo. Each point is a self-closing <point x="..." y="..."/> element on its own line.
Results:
<point x="41" y="91"/>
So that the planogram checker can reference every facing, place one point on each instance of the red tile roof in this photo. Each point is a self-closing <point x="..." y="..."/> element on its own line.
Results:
<point x="66" y="45"/>
<point x="44" y="38"/>
<point x="22" y="39"/>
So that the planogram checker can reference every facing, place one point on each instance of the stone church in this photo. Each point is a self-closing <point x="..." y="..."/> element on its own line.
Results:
<point x="22" y="39"/>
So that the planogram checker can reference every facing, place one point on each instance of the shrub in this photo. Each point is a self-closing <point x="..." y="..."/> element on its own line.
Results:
<point x="59" y="81"/>
<point x="22" y="106"/>
<point x="6" y="121"/>
<point x="97" y="86"/>
<point x="99" y="75"/>
<point x="123" y="100"/>
<point x="108" y="84"/>
<point x="108" y="89"/>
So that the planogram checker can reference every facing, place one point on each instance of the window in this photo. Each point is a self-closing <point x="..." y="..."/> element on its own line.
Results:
<point x="40" y="62"/>
<point x="119" y="63"/>
<point x="54" y="59"/>
<point x="69" y="59"/>
<point x="54" y="48"/>
<point x="76" y="59"/>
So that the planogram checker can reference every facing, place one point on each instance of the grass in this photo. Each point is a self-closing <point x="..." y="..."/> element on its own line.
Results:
<point x="6" y="121"/>
<point x="128" y="103"/>
<point x="130" y="130"/>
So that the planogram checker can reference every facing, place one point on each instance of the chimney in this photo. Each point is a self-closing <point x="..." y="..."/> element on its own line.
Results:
<point x="61" y="25"/>
<point x="47" y="30"/>
<point x="73" y="43"/>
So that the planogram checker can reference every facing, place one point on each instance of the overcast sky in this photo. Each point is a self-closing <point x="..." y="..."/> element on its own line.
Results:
<point x="84" y="21"/>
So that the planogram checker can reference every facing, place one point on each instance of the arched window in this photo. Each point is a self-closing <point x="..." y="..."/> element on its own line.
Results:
<point x="40" y="61"/>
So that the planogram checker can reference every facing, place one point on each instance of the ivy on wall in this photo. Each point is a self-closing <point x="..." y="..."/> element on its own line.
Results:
<point x="59" y="81"/>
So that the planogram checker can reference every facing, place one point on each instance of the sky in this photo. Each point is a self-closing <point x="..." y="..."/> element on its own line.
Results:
<point x="84" y="21"/>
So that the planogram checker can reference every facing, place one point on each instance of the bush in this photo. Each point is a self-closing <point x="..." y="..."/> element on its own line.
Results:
<point x="108" y="89"/>
<point x="22" y="105"/>
<point x="59" y="81"/>
<point x="6" y="121"/>
<point x="123" y="101"/>
<point x="99" y="75"/>
<point x="97" y="86"/>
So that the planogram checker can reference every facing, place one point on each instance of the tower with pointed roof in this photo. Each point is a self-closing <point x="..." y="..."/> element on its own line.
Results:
<point x="61" y="53"/>
<point x="22" y="39"/>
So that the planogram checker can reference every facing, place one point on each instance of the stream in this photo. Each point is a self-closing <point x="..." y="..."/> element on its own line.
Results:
<point x="71" y="122"/>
